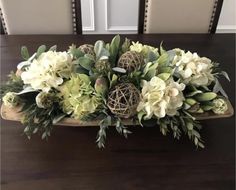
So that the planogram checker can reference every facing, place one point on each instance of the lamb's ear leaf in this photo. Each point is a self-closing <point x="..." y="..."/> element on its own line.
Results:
<point x="41" y="50"/>
<point x="25" y="53"/>
<point x="218" y="88"/>
<point x="225" y="75"/>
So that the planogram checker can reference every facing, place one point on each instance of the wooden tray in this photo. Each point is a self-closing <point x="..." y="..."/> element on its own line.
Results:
<point x="13" y="114"/>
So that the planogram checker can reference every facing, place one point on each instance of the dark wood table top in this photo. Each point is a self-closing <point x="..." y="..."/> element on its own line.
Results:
<point x="70" y="160"/>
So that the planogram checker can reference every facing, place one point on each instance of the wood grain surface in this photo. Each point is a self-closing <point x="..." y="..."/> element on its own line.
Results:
<point x="70" y="160"/>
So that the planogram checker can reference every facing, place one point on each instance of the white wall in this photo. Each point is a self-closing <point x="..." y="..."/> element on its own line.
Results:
<point x="227" y="21"/>
<point x="121" y="16"/>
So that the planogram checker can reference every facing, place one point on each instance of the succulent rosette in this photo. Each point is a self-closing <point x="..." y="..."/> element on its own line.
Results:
<point x="113" y="82"/>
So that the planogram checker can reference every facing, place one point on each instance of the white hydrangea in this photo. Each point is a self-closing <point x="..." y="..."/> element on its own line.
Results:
<point x="192" y="68"/>
<point x="143" y="49"/>
<point x="48" y="70"/>
<point x="161" y="98"/>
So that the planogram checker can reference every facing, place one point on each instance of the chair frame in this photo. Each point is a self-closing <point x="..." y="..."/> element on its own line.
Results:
<point x="76" y="18"/>
<point x="212" y="26"/>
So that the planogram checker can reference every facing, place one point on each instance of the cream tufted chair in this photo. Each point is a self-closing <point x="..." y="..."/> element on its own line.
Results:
<point x="179" y="16"/>
<point x="41" y="16"/>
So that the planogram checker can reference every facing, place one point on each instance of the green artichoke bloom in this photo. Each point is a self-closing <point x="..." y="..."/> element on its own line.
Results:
<point x="11" y="99"/>
<point x="219" y="106"/>
<point x="44" y="100"/>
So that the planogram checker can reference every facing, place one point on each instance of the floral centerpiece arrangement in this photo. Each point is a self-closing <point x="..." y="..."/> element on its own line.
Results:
<point x="112" y="82"/>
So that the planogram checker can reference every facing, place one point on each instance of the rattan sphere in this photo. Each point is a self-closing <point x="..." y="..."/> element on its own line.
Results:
<point x="87" y="49"/>
<point x="130" y="61"/>
<point x="123" y="100"/>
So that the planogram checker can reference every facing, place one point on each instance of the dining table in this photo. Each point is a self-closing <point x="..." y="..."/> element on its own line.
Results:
<point x="70" y="159"/>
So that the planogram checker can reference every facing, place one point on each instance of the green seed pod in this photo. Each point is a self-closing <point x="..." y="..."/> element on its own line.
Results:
<point x="200" y="110"/>
<point x="205" y="96"/>
<point x="190" y="101"/>
<point x="194" y="108"/>
<point x="101" y="86"/>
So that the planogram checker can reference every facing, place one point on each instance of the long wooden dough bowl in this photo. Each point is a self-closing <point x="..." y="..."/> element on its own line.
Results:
<point x="13" y="114"/>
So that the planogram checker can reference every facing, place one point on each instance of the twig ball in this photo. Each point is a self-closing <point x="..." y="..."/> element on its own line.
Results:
<point x="130" y="61"/>
<point x="123" y="100"/>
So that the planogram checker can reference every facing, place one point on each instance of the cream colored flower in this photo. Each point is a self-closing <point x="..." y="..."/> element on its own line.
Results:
<point x="193" y="69"/>
<point x="219" y="106"/>
<point x="160" y="98"/>
<point x="48" y="70"/>
<point x="144" y="49"/>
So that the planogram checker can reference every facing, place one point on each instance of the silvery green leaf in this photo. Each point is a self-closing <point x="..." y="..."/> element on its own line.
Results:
<point x="85" y="78"/>
<point x="162" y="51"/>
<point x="53" y="48"/>
<point x="163" y="59"/>
<point x="86" y="63"/>
<point x="58" y="118"/>
<point x="119" y="70"/>
<point x="24" y="53"/>
<point x="218" y="88"/>
<point x="150" y="74"/>
<point x="113" y="80"/>
<point x="152" y="56"/>
<point x="90" y="57"/>
<point x="125" y="46"/>
<point x="171" y="54"/>
<point x="98" y="47"/>
<point x="26" y="90"/>
<point x="164" y="76"/>
<point x="104" y="58"/>
<point x="23" y="64"/>
<point x="40" y="50"/>
<point x="194" y="93"/>
<point x="140" y="117"/>
<point x="225" y="75"/>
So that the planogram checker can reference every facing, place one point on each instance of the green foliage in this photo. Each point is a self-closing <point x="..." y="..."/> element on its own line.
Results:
<point x="25" y="53"/>
<point x="38" y="120"/>
<point x="14" y="84"/>
<point x="41" y="49"/>
<point x="101" y="136"/>
<point x="125" y="46"/>
<point x="114" y="49"/>
<point x="86" y="63"/>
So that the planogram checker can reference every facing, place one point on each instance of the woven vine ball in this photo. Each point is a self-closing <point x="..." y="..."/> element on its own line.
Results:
<point x="123" y="100"/>
<point x="87" y="49"/>
<point x="130" y="61"/>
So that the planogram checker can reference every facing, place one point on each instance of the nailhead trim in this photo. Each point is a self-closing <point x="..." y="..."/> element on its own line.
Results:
<point x="145" y="16"/>
<point x="3" y="22"/>
<point x="213" y="16"/>
<point x="73" y="16"/>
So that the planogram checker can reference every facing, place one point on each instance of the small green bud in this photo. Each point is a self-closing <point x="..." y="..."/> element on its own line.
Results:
<point x="208" y="96"/>
<point x="101" y="86"/>
<point x="200" y="110"/>
<point x="190" y="101"/>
